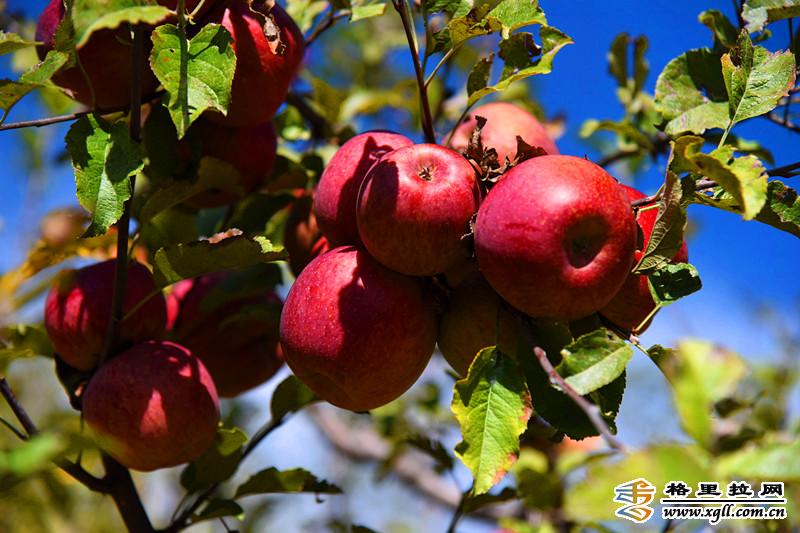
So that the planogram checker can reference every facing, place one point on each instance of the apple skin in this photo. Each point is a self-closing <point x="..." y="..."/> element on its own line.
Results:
<point x="556" y="237"/>
<point x="105" y="58"/>
<point x="152" y="406"/>
<point x="263" y="71"/>
<point x="250" y="150"/>
<point x="78" y="306"/>
<point x="504" y="121"/>
<point x="337" y="192"/>
<point x="474" y="319"/>
<point x="356" y="333"/>
<point x="414" y="209"/>
<point x="301" y="236"/>
<point x="239" y="354"/>
<point x="633" y="302"/>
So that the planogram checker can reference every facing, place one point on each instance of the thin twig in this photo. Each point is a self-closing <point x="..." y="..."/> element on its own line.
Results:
<point x="73" y="469"/>
<point x="458" y="513"/>
<point x="660" y="145"/>
<point x="326" y="24"/>
<point x="320" y="128"/>
<point x="183" y="518"/>
<point x="37" y="123"/>
<point x="123" y="227"/>
<point x="591" y="410"/>
<point x="773" y="117"/>
<point x="408" y="25"/>
<point x="11" y="427"/>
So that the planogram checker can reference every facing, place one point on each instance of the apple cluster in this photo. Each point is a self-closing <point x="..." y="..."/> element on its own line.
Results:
<point x="395" y="225"/>
<point x="152" y="400"/>
<point x="269" y="49"/>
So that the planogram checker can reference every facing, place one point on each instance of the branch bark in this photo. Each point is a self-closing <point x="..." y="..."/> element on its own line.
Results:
<point x="408" y="25"/>
<point x="364" y="444"/>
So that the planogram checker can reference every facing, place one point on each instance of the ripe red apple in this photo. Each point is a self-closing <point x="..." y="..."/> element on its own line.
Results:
<point x="250" y="150"/>
<point x="105" y="58"/>
<point x="633" y="302"/>
<point x="152" y="406"/>
<point x="504" y="121"/>
<point x="474" y="319"/>
<point x="268" y="56"/>
<point x="414" y="208"/>
<point x="358" y="334"/>
<point x="301" y="236"/>
<point x="555" y="237"/>
<point x="337" y="192"/>
<point x="78" y="307"/>
<point x="235" y="334"/>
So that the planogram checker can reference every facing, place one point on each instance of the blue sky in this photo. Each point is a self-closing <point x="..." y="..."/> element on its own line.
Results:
<point x="743" y="265"/>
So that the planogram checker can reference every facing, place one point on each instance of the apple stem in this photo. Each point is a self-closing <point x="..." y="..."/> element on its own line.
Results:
<point x="408" y="25"/>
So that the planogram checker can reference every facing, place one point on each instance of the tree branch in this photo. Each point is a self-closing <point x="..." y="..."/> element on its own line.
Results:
<point x="320" y="128"/>
<point x="364" y="444"/>
<point x="660" y="145"/>
<point x="326" y="24"/>
<point x="591" y="410"/>
<point x="38" y="123"/>
<point x="73" y="469"/>
<point x="183" y="518"/>
<point x="408" y="25"/>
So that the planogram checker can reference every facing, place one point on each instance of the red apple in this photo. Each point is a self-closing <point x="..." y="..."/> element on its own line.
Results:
<point x="358" y="334"/>
<point x="414" y="209"/>
<point x="633" y="302"/>
<point x="474" y="319"/>
<point x="268" y="56"/>
<point x="504" y="121"/>
<point x="78" y="307"/>
<point x="250" y="150"/>
<point x="234" y="334"/>
<point x="337" y="192"/>
<point x="152" y="406"/>
<point x="302" y="237"/>
<point x="106" y="61"/>
<point x="555" y="237"/>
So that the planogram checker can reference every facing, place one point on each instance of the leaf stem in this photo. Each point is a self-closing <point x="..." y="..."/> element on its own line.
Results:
<point x="450" y="53"/>
<point x="408" y="25"/>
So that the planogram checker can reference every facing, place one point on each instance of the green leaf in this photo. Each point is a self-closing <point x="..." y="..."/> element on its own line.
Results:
<point x="485" y="18"/>
<point x="11" y="42"/>
<point x="768" y="462"/>
<point x="272" y="481"/>
<point x="623" y="128"/>
<point x="744" y="178"/>
<point x="474" y="502"/>
<point x="37" y="76"/>
<point x="667" y="235"/>
<point x="701" y="374"/>
<point x="181" y="261"/>
<point x="104" y="158"/>
<point x="434" y="449"/>
<point x="591" y="498"/>
<point x="367" y="11"/>
<point x="618" y="59"/>
<point x="518" y="51"/>
<point x="758" y="13"/>
<point x="782" y="208"/>
<point x="690" y="93"/>
<point x="755" y="79"/>
<point x="725" y="34"/>
<point x="196" y="75"/>
<point x="89" y="16"/>
<point x="21" y="341"/>
<point x="31" y="456"/>
<point x="218" y="508"/>
<point x="290" y="396"/>
<point x="492" y="406"/>
<point x="213" y="174"/>
<point x="218" y="463"/>
<point x="593" y="361"/>
<point x="537" y="487"/>
<point x="672" y="282"/>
